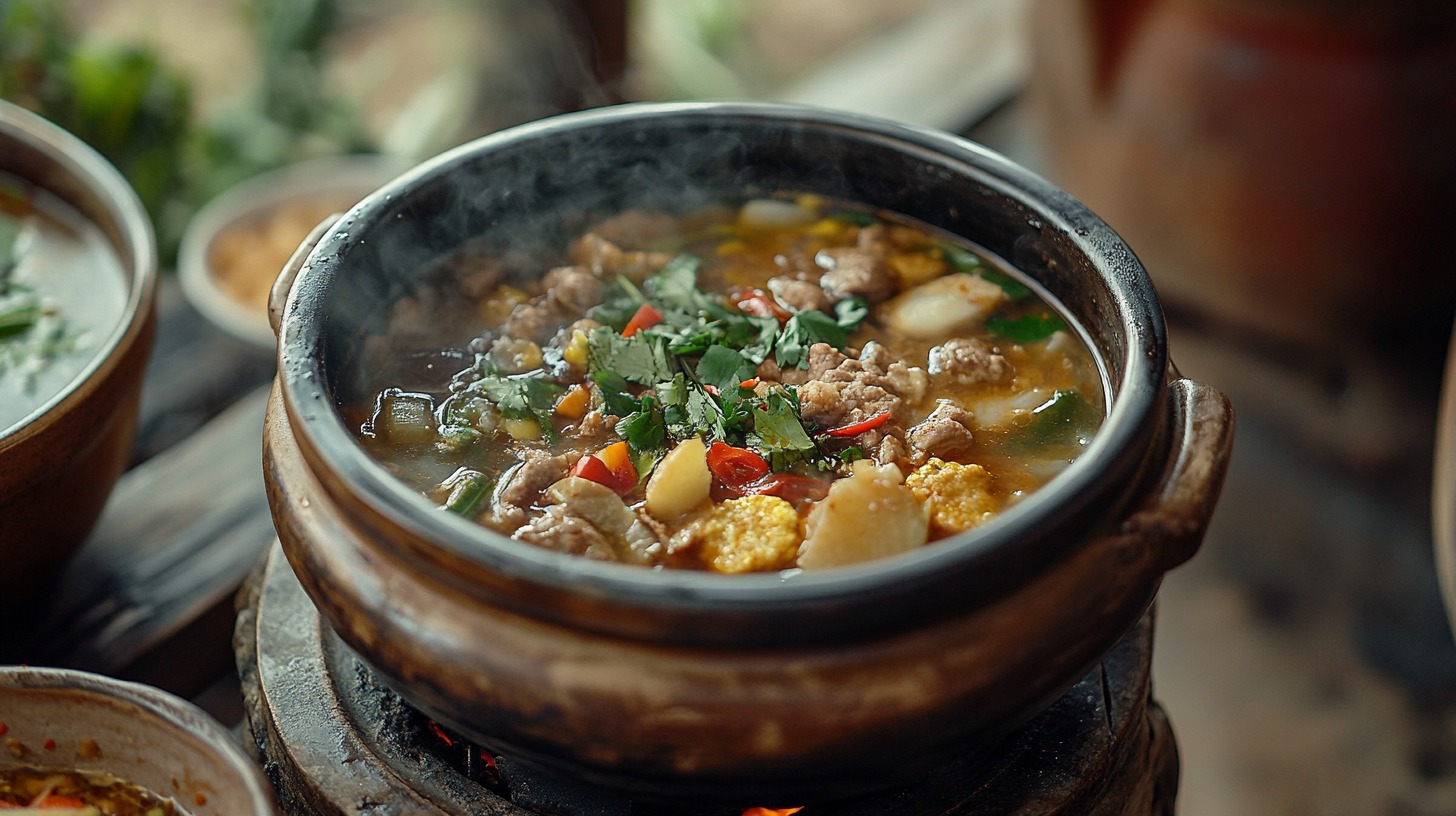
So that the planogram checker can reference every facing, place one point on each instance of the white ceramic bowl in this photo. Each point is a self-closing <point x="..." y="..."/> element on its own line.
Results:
<point x="237" y="243"/>
<point x="71" y="720"/>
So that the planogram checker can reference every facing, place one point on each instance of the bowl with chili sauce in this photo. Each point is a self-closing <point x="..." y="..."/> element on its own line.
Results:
<point x="89" y="744"/>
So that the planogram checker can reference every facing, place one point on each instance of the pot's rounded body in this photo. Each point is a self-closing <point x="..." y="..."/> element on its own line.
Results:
<point x="72" y="720"/>
<point x="57" y="466"/>
<point x="793" y="686"/>
<point x="1282" y="165"/>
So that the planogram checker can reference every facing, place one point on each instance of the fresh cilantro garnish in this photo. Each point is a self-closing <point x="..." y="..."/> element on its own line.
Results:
<point x="675" y="286"/>
<point x="645" y="429"/>
<point x="1026" y="329"/>
<point x="641" y="358"/>
<point x="723" y="368"/>
<point x="807" y="328"/>
<point x="616" y="392"/>
<point x="520" y="396"/>
<point x="779" y="433"/>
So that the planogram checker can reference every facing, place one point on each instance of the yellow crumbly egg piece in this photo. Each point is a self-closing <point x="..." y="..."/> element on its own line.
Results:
<point x="750" y="534"/>
<point x="959" y="495"/>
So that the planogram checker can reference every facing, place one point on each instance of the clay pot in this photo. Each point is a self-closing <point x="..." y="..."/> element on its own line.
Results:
<point x="71" y="720"/>
<point x="58" y="465"/>
<point x="759" y="687"/>
<point x="1283" y="166"/>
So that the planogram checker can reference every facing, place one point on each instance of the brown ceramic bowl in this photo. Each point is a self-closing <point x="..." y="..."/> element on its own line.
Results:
<point x="761" y="687"/>
<point x="71" y="720"/>
<point x="58" y="464"/>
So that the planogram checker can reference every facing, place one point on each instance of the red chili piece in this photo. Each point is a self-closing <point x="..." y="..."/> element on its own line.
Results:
<point x="646" y="317"/>
<point x="857" y="428"/>
<point x="50" y="745"/>
<point x="735" y="467"/>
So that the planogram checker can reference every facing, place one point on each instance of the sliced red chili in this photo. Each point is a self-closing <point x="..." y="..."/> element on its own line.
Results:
<point x="735" y="467"/>
<point x="857" y="428"/>
<point x="646" y="317"/>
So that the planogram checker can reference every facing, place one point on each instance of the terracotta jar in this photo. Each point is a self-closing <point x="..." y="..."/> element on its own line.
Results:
<point x="1283" y="166"/>
<point x="754" y="687"/>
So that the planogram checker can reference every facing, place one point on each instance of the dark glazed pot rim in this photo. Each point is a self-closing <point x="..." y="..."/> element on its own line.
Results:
<point x="130" y="236"/>
<point x="1033" y="534"/>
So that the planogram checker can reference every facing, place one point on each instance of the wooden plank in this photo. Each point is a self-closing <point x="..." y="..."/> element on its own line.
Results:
<point x="177" y="538"/>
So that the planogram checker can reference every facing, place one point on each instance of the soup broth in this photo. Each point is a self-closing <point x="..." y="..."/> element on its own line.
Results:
<point x="785" y="383"/>
<point x="62" y="292"/>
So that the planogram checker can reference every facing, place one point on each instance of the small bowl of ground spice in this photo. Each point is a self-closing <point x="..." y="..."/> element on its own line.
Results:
<point x="237" y="243"/>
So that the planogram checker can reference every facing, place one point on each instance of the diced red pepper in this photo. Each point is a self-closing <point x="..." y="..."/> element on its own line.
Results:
<point x="646" y="317"/>
<point x="857" y="428"/>
<point x="618" y="459"/>
<point x="735" y="467"/>
<point x="750" y="383"/>
<point x="758" y="303"/>
<point x="593" y="469"/>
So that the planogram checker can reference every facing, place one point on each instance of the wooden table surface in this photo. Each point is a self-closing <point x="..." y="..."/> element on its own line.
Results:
<point x="149" y="597"/>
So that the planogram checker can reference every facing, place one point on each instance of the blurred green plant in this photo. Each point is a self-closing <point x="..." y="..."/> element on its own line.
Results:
<point x="124" y="101"/>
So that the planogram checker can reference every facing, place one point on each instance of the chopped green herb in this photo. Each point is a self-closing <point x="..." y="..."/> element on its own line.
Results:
<point x="850" y="454"/>
<point x="1026" y="329"/>
<point x="858" y="218"/>
<point x="616" y="392"/>
<point x="521" y="396"/>
<point x="1065" y="420"/>
<point x="645" y="429"/>
<point x="16" y="318"/>
<point x="641" y="358"/>
<point x="779" y="433"/>
<point x="723" y="368"/>
<point x="804" y="330"/>
<point x="676" y="285"/>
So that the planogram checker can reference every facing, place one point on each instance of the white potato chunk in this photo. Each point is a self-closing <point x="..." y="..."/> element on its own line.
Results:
<point x="596" y="503"/>
<point x="868" y="515"/>
<point x="944" y="306"/>
<point x="771" y="213"/>
<point x="681" y="481"/>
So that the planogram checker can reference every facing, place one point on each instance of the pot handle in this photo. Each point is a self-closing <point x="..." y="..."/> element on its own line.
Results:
<point x="1175" y="515"/>
<point x="283" y="284"/>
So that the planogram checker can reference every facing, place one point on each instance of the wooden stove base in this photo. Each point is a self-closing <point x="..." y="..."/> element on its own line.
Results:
<point x="322" y="725"/>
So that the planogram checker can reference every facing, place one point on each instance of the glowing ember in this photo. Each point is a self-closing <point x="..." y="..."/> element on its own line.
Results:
<point x="440" y="732"/>
<point x="763" y="811"/>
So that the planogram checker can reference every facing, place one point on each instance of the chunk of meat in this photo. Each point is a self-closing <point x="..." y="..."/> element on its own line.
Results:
<point x="968" y="361"/>
<point x="852" y="272"/>
<point x="841" y="389"/>
<point x="575" y="288"/>
<point x="606" y="258"/>
<point x="523" y="484"/>
<point x="536" y="320"/>
<point x="563" y="531"/>
<point x="799" y="295"/>
<point x="945" y="434"/>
